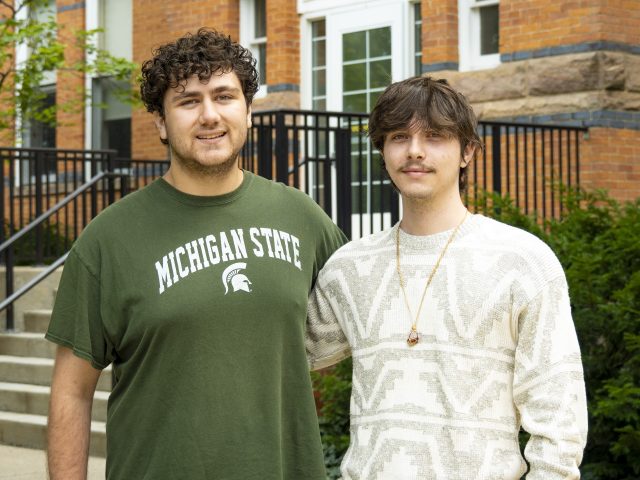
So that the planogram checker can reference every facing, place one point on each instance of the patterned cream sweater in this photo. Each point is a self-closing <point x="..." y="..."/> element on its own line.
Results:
<point x="498" y="350"/>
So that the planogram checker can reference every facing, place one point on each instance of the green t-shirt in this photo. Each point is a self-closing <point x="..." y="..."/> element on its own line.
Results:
<point x="200" y="304"/>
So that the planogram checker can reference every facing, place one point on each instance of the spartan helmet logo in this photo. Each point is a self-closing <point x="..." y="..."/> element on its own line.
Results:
<point x="239" y="281"/>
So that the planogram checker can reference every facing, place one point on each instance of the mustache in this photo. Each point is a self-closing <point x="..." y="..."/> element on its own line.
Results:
<point x="425" y="167"/>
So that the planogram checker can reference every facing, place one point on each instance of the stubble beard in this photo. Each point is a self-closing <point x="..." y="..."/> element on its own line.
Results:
<point x="192" y="165"/>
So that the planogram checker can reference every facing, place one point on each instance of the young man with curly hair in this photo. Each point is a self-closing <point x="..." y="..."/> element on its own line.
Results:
<point x="459" y="326"/>
<point x="195" y="290"/>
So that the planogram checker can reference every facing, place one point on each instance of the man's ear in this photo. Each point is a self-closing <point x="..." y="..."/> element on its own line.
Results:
<point x="160" y="125"/>
<point x="467" y="155"/>
<point x="249" y="117"/>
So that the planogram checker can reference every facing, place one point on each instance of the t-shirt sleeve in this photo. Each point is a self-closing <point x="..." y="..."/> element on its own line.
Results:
<point x="76" y="321"/>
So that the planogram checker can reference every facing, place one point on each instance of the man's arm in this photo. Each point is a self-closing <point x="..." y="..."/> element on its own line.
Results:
<point x="548" y="387"/>
<point x="72" y="388"/>
<point x="325" y="341"/>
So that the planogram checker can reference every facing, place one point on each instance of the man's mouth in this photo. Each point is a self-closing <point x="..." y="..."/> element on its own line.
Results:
<point x="211" y="136"/>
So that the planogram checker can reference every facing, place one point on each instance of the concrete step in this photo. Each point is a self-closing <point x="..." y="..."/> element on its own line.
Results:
<point x="34" y="399"/>
<point x="26" y="345"/>
<point x="24" y="430"/>
<point x="36" y="321"/>
<point x="38" y="371"/>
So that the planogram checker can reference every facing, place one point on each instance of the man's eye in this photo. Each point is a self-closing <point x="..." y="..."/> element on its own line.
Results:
<point x="225" y="97"/>
<point x="398" y="136"/>
<point x="191" y="101"/>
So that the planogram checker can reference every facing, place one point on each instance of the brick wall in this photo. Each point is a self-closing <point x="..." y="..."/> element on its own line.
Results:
<point x="439" y="32"/>
<point x="283" y="44"/>
<point x="70" y="83"/>
<point x="155" y="23"/>
<point x="532" y="25"/>
<point x="610" y="159"/>
<point x="7" y="135"/>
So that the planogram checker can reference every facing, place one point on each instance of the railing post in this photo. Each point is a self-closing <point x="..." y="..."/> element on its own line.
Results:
<point x="496" y="159"/>
<point x="343" y="177"/>
<point x="265" y="158"/>
<point x="111" y="181"/>
<point x="39" y="172"/>
<point x="9" y="284"/>
<point x="282" y="149"/>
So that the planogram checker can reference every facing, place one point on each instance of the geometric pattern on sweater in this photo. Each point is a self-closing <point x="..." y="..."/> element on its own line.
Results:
<point x="498" y="351"/>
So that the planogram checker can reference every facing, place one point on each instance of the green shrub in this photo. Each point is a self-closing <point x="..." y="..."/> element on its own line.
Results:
<point x="598" y="243"/>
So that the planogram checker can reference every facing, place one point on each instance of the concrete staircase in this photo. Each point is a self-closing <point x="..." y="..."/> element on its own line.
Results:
<point x="26" y="366"/>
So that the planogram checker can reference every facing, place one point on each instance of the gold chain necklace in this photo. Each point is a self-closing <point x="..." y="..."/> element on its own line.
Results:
<point x="413" y="337"/>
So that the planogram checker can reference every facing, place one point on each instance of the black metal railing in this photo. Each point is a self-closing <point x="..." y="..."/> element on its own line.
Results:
<point x="528" y="162"/>
<point x="48" y="196"/>
<point x="6" y="247"/>
<point x="328" y="155"/>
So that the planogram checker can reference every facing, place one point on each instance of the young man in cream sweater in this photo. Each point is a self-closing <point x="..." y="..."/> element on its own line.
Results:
<point x="459" y="326"/>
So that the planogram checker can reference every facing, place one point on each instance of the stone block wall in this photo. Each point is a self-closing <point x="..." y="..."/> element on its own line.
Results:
<point x="598" y="89"/>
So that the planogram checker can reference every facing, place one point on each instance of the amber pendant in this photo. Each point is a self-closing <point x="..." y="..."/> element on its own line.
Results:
<point x="413" y="337"/>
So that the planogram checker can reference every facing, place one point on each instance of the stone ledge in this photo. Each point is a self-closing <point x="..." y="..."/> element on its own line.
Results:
<point x="552" y="78"/>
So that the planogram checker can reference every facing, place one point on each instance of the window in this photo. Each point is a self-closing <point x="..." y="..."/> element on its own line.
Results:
<point x="115" y="21"/>
<point x="253" y="34"/>
<point x="366" y="68"/>
<point x="479" y="33"/>
<point x="41" y="134"/>
<point x="417" y="38"/>
<point x="318" y="65"/>
<point x="111" y="118"/>
<point x="110" y="115"/>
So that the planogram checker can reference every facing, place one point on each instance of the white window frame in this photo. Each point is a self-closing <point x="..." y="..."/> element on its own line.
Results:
<point x="248" y="40"/>
<point x="469" y="36"/>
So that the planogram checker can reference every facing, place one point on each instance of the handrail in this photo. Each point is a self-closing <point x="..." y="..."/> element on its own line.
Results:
<point x="7" y="303"/>
<point x="65" y="201"/>
<point x="33" y="282"/>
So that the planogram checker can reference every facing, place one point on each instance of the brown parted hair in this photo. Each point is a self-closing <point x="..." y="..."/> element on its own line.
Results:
<point x="205" y="53"/>
<point x="429" y="104"/>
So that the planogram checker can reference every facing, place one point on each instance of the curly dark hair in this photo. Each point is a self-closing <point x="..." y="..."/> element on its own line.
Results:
<point x="206" y="53"/>
<point x="433" y="105"/>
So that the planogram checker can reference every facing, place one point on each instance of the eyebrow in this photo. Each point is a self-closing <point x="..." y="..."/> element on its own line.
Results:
<point x="197" y="94"/>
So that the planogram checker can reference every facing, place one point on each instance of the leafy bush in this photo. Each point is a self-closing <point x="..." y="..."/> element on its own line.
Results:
<point x="598" y="243"/>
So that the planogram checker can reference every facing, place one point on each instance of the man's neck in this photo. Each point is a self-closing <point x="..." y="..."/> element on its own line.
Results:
<point x="425" y="218"/>
<point x="203" y="185"/>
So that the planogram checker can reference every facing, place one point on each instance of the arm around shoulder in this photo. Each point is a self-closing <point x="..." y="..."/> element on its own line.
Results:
<point x="72" y="388"/>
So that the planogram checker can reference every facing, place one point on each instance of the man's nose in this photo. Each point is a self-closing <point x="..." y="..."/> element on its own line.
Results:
<point x="209" y="112"/>
<point x="417" y="148"/>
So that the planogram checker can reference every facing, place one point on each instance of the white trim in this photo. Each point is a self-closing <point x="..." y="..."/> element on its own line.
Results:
<point x="92" y="21"/>
<point x="248" y="41"/>
<point x="469" y="36"/>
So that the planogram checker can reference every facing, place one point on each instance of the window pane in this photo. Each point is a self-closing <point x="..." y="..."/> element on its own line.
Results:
<point x="380" y="42"/>
<point x="319" y="83"/>
<point x="318" y="53"/>
<point x="262" y="63"/>
<point x="318" y="28"/>
<point x="320" y="104"/>
<point x="260" y="18"/>
<point x="354" y="77"/>
<point x="373" y="98"/>
<point x="417" y="11"/>
<point x="354" y="46"/>
<point x="355" y="103"/>
<point x="380" y="73"/>
<point x="489" y="29"/>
